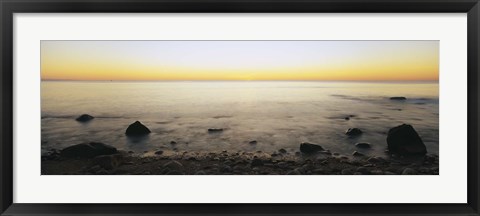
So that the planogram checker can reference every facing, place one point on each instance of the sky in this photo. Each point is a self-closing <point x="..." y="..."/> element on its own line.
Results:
<point x="240" y="60"/>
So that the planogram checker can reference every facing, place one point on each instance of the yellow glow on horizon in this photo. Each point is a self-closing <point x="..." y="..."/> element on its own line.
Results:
<point x="408" y="66"/>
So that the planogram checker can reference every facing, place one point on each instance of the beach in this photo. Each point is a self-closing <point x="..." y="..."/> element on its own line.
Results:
<point x="220" y="124"/>
<point x="238" y="163"/>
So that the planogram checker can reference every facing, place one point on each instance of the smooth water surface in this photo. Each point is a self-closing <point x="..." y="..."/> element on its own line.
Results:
<point x="275" y="114"/>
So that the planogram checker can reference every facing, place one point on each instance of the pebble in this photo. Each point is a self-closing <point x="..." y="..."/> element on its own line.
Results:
<point x="355" y="153"/>
<point x="363" y="145"/>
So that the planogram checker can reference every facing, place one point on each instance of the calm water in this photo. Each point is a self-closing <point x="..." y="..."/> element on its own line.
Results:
<point x="275" y="114"/>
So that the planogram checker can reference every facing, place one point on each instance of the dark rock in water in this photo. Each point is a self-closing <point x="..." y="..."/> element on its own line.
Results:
<point x="404" y="140"/>
<point x="84" y="118"/>
<point x="211" y="130"/>
<point x="257" y="162"/>
<point x="355" y="153"/>
<point x="159" y="152"/>
<point x="173" y="142"/>
<point x="87" y="150"/>
<point x="253" y="142"/>
<point x="137" y="129"/>
<point x="309" y="148"/>
<point x="283" y="151"/>
<point x="347" y="118"/>
<point x="363" y="145"/>
<point x="353" y="132"/>
<point x="398" y="98"/>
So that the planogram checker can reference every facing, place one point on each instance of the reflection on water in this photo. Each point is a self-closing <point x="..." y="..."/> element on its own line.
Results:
<point x="275" y="114"/>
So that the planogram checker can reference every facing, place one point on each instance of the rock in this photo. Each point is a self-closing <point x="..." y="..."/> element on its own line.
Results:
<point x="283" y="151"/>
<point x="404" y="140"/>
<point x="357" y="154"/>
<point x="253" y="142"/>
<point x="353" y="132"/>
<point x="309" y="148"/>
<point x="84" y="118"/>
<point x="173" y="143"/>
<point x="363" y="145"/>
<point x="212" y="130"/>
<point x="409" y="171"/>
<point x="87" y="150"/>
<point x="347" y="118"/>
<point x="173" y="165"/>
<point x="108" y="162"/>
<point x="159" y="152"/>
<point x="256" y="162"/>
<point x="398" y="98"/>
<point x="137" y="129"/>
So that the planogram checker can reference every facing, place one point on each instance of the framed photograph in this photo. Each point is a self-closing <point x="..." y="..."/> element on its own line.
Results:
<point x="239" y="107"/>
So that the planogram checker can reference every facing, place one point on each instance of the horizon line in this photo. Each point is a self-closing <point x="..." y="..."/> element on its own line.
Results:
<point x="107" y="80"/>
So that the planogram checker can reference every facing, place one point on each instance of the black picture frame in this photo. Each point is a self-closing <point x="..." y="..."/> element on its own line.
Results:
<point x="9" y="7"/>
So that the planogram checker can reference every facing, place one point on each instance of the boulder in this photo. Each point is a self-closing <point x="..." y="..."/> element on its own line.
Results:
<point x="137" y="129"/>
<point x="253" y="142"/>
<point x="353" y="132"/>
<point x="84" y="118"/>
<point x="363" y="145"/>
<point x="398" y="98"/>
<point x="87" y="150"/>
<point x="309" y="148"/>
<point x="404" y="140"/>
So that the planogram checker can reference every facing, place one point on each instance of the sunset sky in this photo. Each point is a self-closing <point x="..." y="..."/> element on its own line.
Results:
<point x="239" y="60"/>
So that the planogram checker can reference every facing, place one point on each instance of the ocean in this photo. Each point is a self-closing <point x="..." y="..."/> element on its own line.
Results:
<point x="276" y="114"/>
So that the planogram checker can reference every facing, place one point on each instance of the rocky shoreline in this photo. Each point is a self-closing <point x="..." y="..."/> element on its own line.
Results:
<point x="236" y="163"/>
<point x="406" y="155"/>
